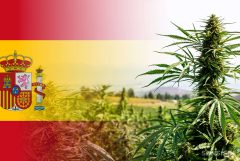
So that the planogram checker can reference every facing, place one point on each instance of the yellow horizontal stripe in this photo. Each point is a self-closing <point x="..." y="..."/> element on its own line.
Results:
<point x="72" y="64"/>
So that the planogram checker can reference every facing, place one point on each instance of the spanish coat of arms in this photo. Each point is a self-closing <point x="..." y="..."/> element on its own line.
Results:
<point x="16" y="84"/>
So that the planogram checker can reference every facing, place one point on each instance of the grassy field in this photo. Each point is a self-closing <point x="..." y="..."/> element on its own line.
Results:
<point x="142" y="102"/>
<point x="150" y="106"/>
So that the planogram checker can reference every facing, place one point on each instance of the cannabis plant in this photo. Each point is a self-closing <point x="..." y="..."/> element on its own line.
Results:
<point x="123" y="102"/>
<point x="204" y="60"/>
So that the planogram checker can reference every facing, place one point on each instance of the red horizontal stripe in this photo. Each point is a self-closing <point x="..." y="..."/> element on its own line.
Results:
<point x="72" y="19"/>
<point x="42" y="140"/>
<point x="12" y="141"/>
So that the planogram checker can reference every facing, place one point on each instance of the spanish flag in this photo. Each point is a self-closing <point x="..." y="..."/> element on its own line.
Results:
<point x="75" y="44"/>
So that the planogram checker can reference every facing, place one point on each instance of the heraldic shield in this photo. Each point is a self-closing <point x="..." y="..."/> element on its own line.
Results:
<point x="15" y="90"/>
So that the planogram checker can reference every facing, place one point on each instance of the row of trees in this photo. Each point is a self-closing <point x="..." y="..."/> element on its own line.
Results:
<point x="129" y="92"/>
<point x="166" y="96"/>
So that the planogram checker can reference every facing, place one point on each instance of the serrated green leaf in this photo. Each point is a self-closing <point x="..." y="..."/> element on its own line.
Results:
<point x="184" y="32"/>
<point x="236" y="109"/>
<point x="177" y="43"/>
<point x="231" y="39"/>
<point x="179" y="56"/>
<point x="149" y="148"/>
<point x="166" y="66"/>
<point x="145" y="141"/>
<point x="232" y="114"/>
<point x="161" y="147"/>
<point x="152" y="72"/>
<point x="150" y="129"/>
<point x="177" y="37"/>
<point x="222" y="120"/>
<point x="212" y="114"/>
<point x="202" y="110"/>
<point x="232" y="46"/>
<point x="172" y="66"/>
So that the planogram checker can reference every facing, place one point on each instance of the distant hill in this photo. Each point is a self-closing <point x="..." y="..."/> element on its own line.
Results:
<point x="163" y="90"/>
<point x="237" y="97"/>
<point x="172" y="91"/>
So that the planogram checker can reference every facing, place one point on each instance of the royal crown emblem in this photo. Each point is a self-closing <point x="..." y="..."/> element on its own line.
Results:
<point x="15" y="63"/>
<point x="16" y="84"/>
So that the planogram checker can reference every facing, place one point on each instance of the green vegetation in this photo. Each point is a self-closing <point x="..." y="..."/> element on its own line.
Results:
<point x="102" y="125"/>
<point x="205" y="126"/>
